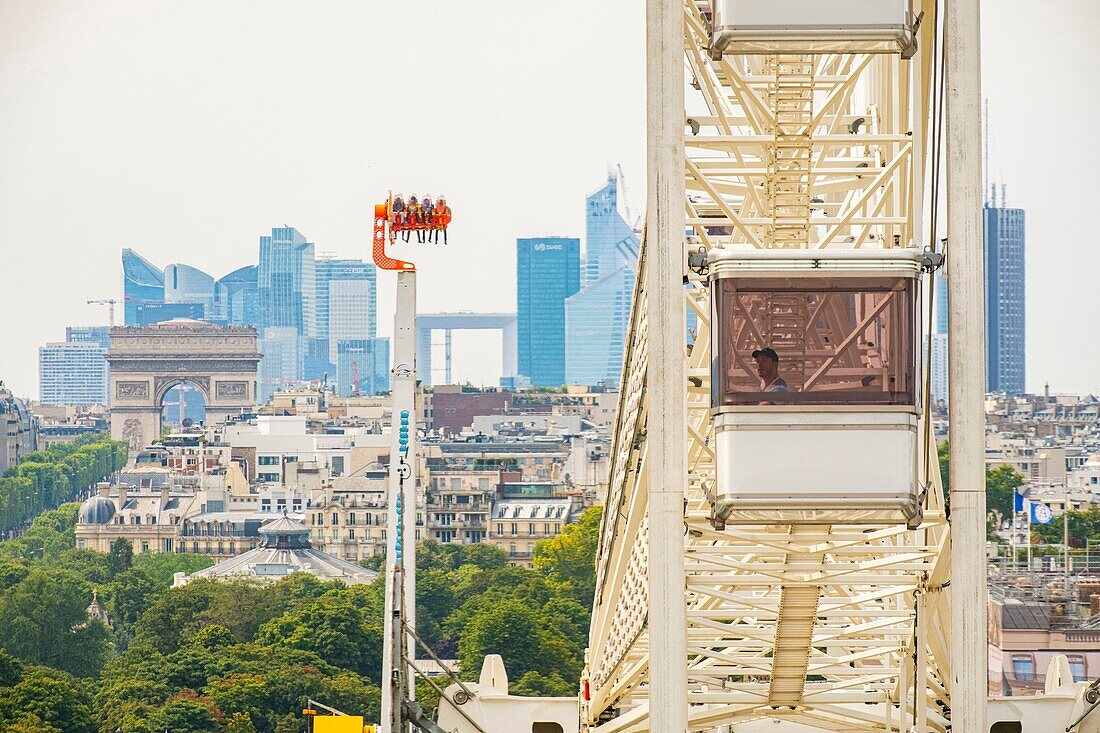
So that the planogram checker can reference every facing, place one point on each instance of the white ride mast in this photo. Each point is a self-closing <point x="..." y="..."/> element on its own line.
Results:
<point x="397" y="679"/>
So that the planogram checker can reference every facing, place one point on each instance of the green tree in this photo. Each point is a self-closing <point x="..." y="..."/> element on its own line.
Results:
<point x="186" y="716"/>
<point x="534" y="684"/>
<point x="11" y="669"/>
<point x="508" y="628"/>
<point x="240" y="723"/>
<point x="1001" y="485"/>
<point x="121" y="556"/>
<point x="56" y="698"/>
<point x="162" y="566"/>
<point x="43" y="620"/>
<point x="31" y="723"/>
<point x="335" y="629"/>
<point x="570" y="558"/>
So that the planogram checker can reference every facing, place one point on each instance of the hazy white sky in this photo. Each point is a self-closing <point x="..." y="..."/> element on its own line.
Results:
<point x="187" y="130"/>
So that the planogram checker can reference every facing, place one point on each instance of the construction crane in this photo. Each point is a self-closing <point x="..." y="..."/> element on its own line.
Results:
<point x="110" y="303"/>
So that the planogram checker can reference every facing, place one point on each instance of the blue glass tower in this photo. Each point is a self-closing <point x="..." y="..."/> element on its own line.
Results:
<point x="363" y="313"/>
<point x="548" y="271"/>
<point x="237" y="298"/>
<point x="286" y="282"/>
<point x="186" y="284"/>
<point x="1004" y="300"/>
<point x="597" y="317"/>
<point x="142" y="283"/>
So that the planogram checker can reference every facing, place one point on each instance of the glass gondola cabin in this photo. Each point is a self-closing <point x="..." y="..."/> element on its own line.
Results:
<point x="812" y="26"/>
<point x="834" y="438"/>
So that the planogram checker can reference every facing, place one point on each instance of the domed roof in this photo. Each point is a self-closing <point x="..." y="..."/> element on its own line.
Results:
<point x="97" y="510"/>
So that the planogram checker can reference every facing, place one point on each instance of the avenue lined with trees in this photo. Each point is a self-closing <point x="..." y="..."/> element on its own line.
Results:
<point x="45" y="478"/>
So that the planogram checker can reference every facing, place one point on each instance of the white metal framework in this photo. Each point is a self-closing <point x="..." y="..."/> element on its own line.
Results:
<point x="822" y="625"/>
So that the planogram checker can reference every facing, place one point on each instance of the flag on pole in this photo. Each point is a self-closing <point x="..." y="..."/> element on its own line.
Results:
<point x="1018" y="502"/>
<point x="1038" y="513"/>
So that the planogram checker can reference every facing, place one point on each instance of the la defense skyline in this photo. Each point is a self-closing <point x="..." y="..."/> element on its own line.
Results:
<point x="316" y="316"/>
<point x="572" y="316"/>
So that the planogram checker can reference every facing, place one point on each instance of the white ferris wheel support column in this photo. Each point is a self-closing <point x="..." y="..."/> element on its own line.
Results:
<point x="665" y="373"/>
<point x="966" y="319"/>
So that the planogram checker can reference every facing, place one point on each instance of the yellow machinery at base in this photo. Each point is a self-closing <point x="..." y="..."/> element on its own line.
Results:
<point x="340" y="724"/>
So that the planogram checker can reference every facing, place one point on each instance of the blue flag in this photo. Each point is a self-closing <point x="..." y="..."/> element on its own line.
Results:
<point x="1018" y="502"/>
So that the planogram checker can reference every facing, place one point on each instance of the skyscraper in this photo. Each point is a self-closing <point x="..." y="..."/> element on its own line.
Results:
<point x="288" y="288"/>
<point x="142" y="283"/>
<point x="1004" y="299"/>
<point x="237" y="298"/>
<point x="597" y="316"/>
<point x="362" y="366"/>
<point x="354" y="303"/>
<point x="281" y="347"/>
<point x="939" y="339"/>
<point x="287" y="282"/>
<point x="72" y="374"/>
<point x="547" y="272"/>
<point x="186" y="284"/>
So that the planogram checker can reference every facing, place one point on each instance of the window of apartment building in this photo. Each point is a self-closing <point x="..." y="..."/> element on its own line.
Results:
<point x="337" y="465"/>
<point x="335" y="518"/>
<point x="512" y="549"/>
<point x="1094" y="480"/>
<point x="1023" y="667"/>
<point x="268" y="460"/>
<point x="1079" y="667"/>
<point x="297" y="505"/>
<point x="145" y="547"/>
<point x="456" y="484"/>
<point x="366" y="534"/>
<point x="137" y="519"/>
<point x="530" y="529"/>
<point x="514" y="532"/>
<point x="335" y="534"/>
<point x="320" y="519"/>
<point x="269" y="477"/>
<point x="351" y="517"/>
<point x="483" y="483"/>
<point x="545" y="530"/>
<point x="500" y="529"/>
<point x="462" y="499"/>
<point x="351" y="534"/>
<point x="265" y="505"/>
<point x="280" y="505"/>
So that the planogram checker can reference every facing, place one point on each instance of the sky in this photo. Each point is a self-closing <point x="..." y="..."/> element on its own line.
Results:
<point x="188" y="130"/>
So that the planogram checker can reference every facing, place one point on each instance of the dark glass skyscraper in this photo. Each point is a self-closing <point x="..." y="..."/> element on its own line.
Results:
<point x="548" y="270"/>
<point x="1004" y="300"/>
<point x="142" y="283"/>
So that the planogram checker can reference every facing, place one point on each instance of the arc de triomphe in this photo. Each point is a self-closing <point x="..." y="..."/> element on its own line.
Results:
<point x="147" y="361"/>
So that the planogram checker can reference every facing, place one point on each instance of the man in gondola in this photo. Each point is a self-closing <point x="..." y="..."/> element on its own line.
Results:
<point x="767" y="368"/>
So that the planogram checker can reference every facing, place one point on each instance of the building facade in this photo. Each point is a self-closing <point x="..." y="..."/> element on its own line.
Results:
<point x="547" y="273"/>
<point x="72" y="374"/>
<point x="596" y="321"/>
<point x="237" y="298"/>
<point x="18" y="430"/>
<point x="142" y="284"/>
<point x="596" y="318"/>
<point x="287" y="282"/>
<point x="939" y="338"/>
<point x="186" y="284"/>
<point x="362" y="366"/>
<point x="346" y="295"/>
<point x="1005" y="312"/>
